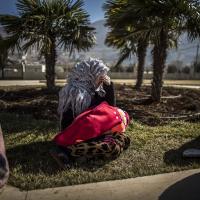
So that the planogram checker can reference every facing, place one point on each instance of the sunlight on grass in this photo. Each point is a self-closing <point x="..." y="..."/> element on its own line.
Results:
<point x="153" y="150"/>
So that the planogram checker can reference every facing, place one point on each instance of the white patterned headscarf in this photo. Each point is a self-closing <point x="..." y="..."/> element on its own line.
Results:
<point x="80" y="88"/>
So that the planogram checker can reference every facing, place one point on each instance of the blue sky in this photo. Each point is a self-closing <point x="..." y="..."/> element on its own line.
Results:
<point x="94" y="8"/>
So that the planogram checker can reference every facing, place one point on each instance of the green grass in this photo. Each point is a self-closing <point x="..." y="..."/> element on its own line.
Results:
<point x="153" y="150"/>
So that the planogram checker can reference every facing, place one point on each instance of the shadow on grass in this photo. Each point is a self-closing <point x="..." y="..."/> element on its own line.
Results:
<point x="14" y="123"/>
<point x="174" y="156"/>
<point x="185" y="189"/>
<point x="34" y="158"/>
<point x="13" y="93"/>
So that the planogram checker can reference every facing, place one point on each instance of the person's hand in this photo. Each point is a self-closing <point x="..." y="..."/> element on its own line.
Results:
<point x="103" y="79"/>
<point x="106" y="80"/>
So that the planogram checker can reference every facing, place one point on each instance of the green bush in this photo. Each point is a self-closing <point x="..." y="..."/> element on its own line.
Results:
<point x="186" y="70"/>
<point x="196" y="67"/>
<point x="172" y="69"/>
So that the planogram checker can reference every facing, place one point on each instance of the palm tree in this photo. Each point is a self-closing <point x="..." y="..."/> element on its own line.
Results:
<point x="141" y="54"/>
<point x="163" y="21"/>
<point x="128" y="48"/>
<point x="3" y="55"/>
<point x="47" y="25"/>
<point x="117" y="37"/>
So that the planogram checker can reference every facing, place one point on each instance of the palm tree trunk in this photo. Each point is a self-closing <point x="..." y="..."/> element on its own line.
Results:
<point x="2" y="75"/>
<point x="141" y="53"/>
<point x="3" y="58"/>
<point x="50" y="60"/>
<point x="159" y="59"/>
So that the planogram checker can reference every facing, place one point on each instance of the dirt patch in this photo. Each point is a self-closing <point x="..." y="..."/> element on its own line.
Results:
<point x="25" y="100"/>
<point x="174" y="103"/>
<point x="38" y="102"/>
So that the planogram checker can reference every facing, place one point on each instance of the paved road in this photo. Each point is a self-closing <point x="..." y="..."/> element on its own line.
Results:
<point x="172" y="186"/>
<point x="20" y="82"/>
<point x="168" y="83"/>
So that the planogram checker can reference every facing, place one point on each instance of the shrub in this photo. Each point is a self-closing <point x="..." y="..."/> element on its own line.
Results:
<point x="171" y="69"/>
<point x="196" y="67"/>
<point x="186" y="70"/>
<point x="130" y="68"/>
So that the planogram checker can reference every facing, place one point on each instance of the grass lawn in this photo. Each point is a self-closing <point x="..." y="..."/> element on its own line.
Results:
<point x="153" y="150"/>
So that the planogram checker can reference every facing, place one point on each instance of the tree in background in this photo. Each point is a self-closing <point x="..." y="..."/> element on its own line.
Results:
<point x="163" y="23"/>
<point x="172" y="68"/>
<point x="3" y="56"/>
<point x="46" y="25"/>
<point x="117" y="37"/>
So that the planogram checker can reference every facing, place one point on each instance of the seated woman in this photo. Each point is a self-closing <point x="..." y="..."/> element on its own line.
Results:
<point x="88" y="91"/>
<point x="4" y="169"/>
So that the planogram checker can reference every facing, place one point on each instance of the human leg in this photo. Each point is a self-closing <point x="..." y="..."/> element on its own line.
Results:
<point x="105" y="146"/>
<point x="4" y="169"/>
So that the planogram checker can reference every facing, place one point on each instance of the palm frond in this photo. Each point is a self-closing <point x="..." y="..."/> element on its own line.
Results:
<point x="149" y="18"/>
<point x="125" y="53"/>
<point x="25" y="7"/>
<point x="41" y="21"/>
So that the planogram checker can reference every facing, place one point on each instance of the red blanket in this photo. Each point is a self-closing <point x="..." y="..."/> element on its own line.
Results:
<point x="89" y="124"/>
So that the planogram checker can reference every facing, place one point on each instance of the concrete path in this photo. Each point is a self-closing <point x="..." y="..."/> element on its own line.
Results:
<point x="191" y="84"/>
<point x="183" y="185"/>
<point x="180" y="86"/>
<point x="20" y="82"/>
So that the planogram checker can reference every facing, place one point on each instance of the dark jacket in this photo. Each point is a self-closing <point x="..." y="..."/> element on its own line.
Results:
<point x="68" y="118"/>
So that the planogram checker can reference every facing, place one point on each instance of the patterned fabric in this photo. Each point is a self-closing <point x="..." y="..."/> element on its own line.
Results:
<point x="105" y="146"/>
<point x="68" y="118"/>
<point x="90" y="124"/>
<point x="120" y="128"/>
<point x="77" y="94"/>
<point x="76" y="97"/>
